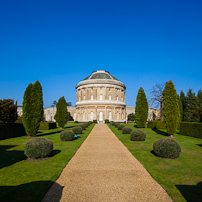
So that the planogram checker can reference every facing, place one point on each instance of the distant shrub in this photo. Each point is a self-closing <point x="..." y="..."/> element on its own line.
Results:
<point x="156" y="125"/>
<point x="38" y="148"/>
<point x="126" y="130"/>
<point x="166" y="148"/>
<point x="191" y="129"/>
<point x="77" y="129"/>
<point x="83" y="126"/>
<point x="106" y="120"/>
<point x="94" y="121"/>
<point x="67" y="135"/>
<point x="76" y="122"/>
<point x="137" y="135"/>
<point x="116" y="124"/>
<point x="120" y="127"/>
<point x="47" y="125"/>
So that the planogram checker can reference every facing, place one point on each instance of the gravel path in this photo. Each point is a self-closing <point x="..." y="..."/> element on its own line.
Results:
<point x="104" y="170"/>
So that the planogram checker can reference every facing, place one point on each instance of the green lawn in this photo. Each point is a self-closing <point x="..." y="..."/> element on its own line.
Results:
<point x="181" y="178"/>
<point x="22" y="180"/>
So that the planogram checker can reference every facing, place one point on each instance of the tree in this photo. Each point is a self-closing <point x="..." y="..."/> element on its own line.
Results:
<point x="190" y="113"/>
<point x="171" y="111"/>
<point x="180" y="107"/>
<point x="32" y="108"/>
<point x="131" y="117"/>
<point x="184" y="105"/>
<point x="199" y="107"/>
<point x="157" y="98"/>
<point x="141" y="109"/>
<point x="8" y="111"/>
<point x="61" y="115"/>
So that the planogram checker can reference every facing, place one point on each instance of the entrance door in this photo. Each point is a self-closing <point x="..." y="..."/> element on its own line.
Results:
<point x="101" y="117"/>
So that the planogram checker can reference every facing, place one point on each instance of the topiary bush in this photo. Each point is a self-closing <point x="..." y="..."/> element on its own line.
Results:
<point x="77" y="129"/>
<point x="116" y="124"/>
<point x="126" y="130"/>
<point x="83" y="126"/>
<point x="137" y="135"/>
<point x="167" y="148"/>
<point x="38" y="148"/>
<point x="67" y="135"/>
<point x="106" y="120"/>
<point x="120" y="127"/>
<point x="94" y="121"/>
<point x="76" y="122"/>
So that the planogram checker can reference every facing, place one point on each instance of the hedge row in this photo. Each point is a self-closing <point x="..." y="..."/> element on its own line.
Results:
<point x="191" y="129"/>
<point x="156" y="125"/>
<point x="47" y="125"/>
<point x="11" y="130"/>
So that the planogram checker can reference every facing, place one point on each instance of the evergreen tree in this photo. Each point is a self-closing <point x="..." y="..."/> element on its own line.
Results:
<point x="141" y="109"/>
<point x="61" y="115"/>
<point x="8" y="111"/>
<point x="199" y="108"/>
<point x="191" y="114"/>
<point x="171" y="110"/>
<point x="180" y="107"/>
<point x="184" y="105"/>
<point x="32" y="108"/>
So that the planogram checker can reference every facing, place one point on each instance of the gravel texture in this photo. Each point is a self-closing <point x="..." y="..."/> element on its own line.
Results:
<point x="104" y="170"/>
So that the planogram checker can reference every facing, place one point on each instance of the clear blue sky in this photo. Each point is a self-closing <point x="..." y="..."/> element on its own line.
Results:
<point x="61" y="42"/>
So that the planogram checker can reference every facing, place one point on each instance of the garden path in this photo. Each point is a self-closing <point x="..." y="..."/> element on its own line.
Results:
<point x="104" y="170"/>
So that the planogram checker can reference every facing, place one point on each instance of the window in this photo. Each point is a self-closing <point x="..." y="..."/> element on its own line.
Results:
<point x="100" y="96"/>
<point x="84" y="97"/>
<point x="74" y="116"/>
<point x="91" y="115"/>
<point x="117" y="90"/>
<point x="84" y="90"/>
<point x="110" y="97"/>
<point x="117" y="98"/>
<point x="91" y="97"/>
<point x="110" y="116"/>
<point x="109" y="89"/>
<point x="117" y="115"/>
<point x="100" y="88"/>
<point x="84" y="115"/>
<point x="79" y="98"/>
<point x="91" y="89"/>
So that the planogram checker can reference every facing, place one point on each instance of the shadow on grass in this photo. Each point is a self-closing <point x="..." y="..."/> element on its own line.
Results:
<point x="55" y="152"/>
<point x="191" y="193"/>
<point x="8" y="158"/>
<point x="33" y="191"/>
<point x="51" y="133"/>
<point x="160" y="132"/>
<point x="152" y="151"/>
<point x="200" y="145"/>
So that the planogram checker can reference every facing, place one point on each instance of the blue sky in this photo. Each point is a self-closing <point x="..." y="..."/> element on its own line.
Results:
<point x="61" y="42"/>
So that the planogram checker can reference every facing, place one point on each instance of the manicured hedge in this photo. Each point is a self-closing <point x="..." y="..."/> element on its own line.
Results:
<point x="47" y="125"/>
<point x="156" y="125"/>
<point x="191" y="129"/>
<point x="11" y="130"/>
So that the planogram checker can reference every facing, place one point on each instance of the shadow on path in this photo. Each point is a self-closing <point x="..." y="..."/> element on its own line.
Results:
<point x="33" y="191"/>
<point x="191" y="193"/>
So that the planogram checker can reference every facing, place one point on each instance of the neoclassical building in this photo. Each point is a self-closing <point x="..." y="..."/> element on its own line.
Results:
<point x="100" y="96"/>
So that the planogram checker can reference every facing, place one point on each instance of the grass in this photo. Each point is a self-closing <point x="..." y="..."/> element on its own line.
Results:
<point x="182" y="177"/>
<point x="23" y="180"/>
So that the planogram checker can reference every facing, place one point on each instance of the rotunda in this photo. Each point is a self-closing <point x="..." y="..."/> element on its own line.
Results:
<point x="100" y="96"/>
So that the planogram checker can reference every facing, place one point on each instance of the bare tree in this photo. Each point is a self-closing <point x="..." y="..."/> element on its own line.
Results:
<point x="156" y="99"/>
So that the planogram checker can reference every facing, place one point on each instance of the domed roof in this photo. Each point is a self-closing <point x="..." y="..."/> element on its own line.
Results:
<point x="100" y="74"/>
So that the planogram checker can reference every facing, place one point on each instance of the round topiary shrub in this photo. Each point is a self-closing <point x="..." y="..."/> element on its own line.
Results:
<point x="38" y="148"/>
<point x="126" y="130"/>
<point x="106" y="120"/>
<point x="167" y="148"/>
<point x="83" y="126"/>
<point x="137" y="135"/>
<point x="77" y="129"/>
<point x="116" y="124"/>
<point x="120" y="127"/>
<point x="67" y="135"/>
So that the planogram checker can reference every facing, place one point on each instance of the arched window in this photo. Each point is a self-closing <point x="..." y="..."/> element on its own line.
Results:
<point x="110" y="97"/>
<point x="117" y="116"/>
<point x="100" y="96"/>
<point x="117" y="98"/>
<point x="84" y="114"/>
<point x="84" y="97"/>
<point x="110" y="116"/>
<point x="91" y="97"/>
